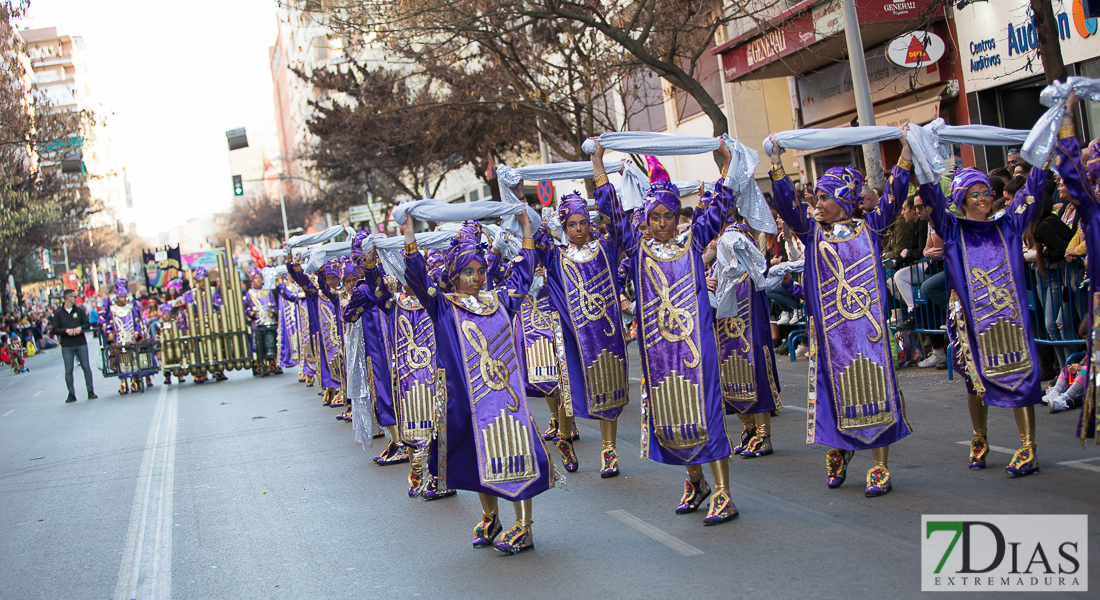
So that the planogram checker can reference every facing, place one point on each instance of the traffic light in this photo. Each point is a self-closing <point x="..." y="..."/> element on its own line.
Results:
<point x="238" y="186"/>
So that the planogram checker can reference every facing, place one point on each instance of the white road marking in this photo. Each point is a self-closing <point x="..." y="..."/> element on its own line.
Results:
<point x="7" y="413"/>
<point x="1000" y="449"/>
<point x="800" y="409"/>
<point x="157" y="554"/>
<point x="656" y="534"/>
<point x="37" y="393"/>
<point x="1080" y="464"/>
<point x="56" y="377"/>
<point x="1076" y="464"/>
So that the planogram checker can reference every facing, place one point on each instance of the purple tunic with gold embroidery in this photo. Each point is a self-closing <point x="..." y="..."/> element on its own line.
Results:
<point x="583" y="290"/>
<point x="288" y="325"/>
<point x="1067" y="159"/>
<point x="315" y="346"/>
<point x="987" y="289"/>
<point x="535" y="327"/>
<point x="488" y="442"/>
<point x="750" y="382"/>
<point x="683" y="421"/>
<point x="854" y="402"/>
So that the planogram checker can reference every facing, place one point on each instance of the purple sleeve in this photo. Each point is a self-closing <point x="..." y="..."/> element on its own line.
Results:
<point x="359" y="301"/>
<point x="707" y="221"/>
<point x="416" y="274"/>
<point x="299" y="277"/>
<point x="793" y="288"/>
<point x="897" y="189"/>
<point x="619" y="227"/>
<point x="1028" y="199"/>
<point x="380" y="292"/>
<point x="931" y="194"/>
<point x="791" y="209"/>
<point x="518" y="282"/>
<point x="1067" y="160"/>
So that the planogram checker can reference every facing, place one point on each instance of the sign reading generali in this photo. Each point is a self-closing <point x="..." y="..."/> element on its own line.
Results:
<point x="999" y="43"/>
<point x="800" y="29"/>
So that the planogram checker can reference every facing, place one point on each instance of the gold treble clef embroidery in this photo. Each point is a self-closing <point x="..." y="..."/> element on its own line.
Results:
<point x="670" y="318"/>
<point x="999" y="296"/>
<point x="418" y="357"/>
<point x="847" y="295"/>
<point x="539" y="319"/>
<point x="494" y="372"/>
<point x="735" y="328"/>
<point x="593" y="306"/>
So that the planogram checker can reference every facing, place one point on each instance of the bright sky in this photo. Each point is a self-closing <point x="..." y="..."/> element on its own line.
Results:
<point x="173" y="77"/>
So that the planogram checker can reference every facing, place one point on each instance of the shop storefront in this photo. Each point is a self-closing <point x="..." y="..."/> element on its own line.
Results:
<point x="1001" y="69"/>
<point x="808" y="44"/>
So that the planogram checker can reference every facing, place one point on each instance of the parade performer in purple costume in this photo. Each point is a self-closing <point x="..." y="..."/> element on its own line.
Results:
<point x="411" y="339"/>
<point x="682" y="410"/>
<point x="581" y="281"/>
<point x="260" y="308"/>
<point x="316" y="345"/>
<point x="987" y="307"/>
<point x="367" y="307"/>
<point x="122" y="324"/>
<point x="172" y="315"/>
<point x="750" y="382"/>
<point x="1082" y="181"/>
<point x="332" y="327"/>
<point x="289" y="347"/>
<point x="854" y="401"/>
<point x="487" y="441"/>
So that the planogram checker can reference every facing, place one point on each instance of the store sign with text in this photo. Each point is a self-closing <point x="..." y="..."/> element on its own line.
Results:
<point x="1019" y="553"/>
<point x="1000" y="44"/>
<point x="783" y="37"/>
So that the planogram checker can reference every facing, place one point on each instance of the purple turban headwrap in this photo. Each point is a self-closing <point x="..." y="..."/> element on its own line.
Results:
<point x="637" y="218"/>
<point x="434" y="259"/>
<point x="200" y="273"/>
<point x="332" y="267"/>
<point x="466" y="247"/>
<point x="357" y="242"/>
<point x="122" y="286"/>
<point x="843" y="184"/>
<point x="572" y="204"/>
<point x="1092" y="166"/>
<point x="175" y="283"/>
<point x="964" y="178"/>
<point x="661" y="190"/>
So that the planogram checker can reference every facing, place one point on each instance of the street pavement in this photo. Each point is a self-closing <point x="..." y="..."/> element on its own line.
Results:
<point x="250" y="488"/>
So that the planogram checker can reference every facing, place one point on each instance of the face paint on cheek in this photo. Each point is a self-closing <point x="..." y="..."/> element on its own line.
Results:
<point x="468" y="279"/>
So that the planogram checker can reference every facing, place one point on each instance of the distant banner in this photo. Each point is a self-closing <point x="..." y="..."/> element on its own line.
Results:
<point x="201" y="259"/>
<point x="161" y="266"/>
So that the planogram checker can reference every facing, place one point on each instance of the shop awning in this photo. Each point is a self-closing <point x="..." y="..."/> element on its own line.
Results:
<point x="810" y="35"/>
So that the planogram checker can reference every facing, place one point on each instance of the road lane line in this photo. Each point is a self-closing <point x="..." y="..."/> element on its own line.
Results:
<point x="1000" y="449"/>
<point x="800" y="409"/>
<point x="150" y="543"/>
<point x="37" y="393"/>
<point x="162" y="553"/>
<point x="1076" y="464"/>
<point x="656" y="534"/>
<point x="7" y="413"/>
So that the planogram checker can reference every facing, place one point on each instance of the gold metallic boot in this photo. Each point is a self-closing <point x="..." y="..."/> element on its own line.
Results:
<point x="518" y="538"/>
<point x="761" y="442"/>
<point x="1025" y="461"/>
<point x="748" y="430"/>
<point x="722" y="508"/>
<point x="489" y="527"/>
<point x="878" y="478"/>
<point x="979" y="416"/>
<point x="694" y="491"/>
<point x="608" y="431"/>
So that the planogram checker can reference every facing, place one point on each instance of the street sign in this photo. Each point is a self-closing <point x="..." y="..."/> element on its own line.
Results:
<point x="546" y="193"/>
<point x="915" y="49"/>
<point x="360" y="214"/>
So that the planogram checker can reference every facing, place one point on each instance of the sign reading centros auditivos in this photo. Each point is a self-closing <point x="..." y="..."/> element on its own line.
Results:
<point x="985" y="553"/>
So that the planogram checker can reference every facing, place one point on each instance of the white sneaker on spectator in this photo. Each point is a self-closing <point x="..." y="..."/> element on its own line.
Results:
<point x="784" y="318"/>
<point x="1057" y="404"/>
<point x="796" y="317"/>
<point x="802" y="350"/>
<point x="937" y="358"/>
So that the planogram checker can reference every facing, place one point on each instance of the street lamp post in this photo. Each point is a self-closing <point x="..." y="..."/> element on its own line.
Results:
<point x="865" y="110"/>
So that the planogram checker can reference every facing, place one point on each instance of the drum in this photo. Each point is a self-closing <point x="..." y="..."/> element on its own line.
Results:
<point x="266" y="339"/>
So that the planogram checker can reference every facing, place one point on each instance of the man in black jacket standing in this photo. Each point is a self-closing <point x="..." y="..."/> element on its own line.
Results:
<point x="68" y="324"/>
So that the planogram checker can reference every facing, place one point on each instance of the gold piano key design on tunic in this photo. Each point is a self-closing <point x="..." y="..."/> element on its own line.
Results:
<point x="542" y="364"/>
<point x="1004" y="349"/>
<point x="417" y="406"/>
<point x="738" y="379"/>
<point x="508" y="445"/>
<point x="864" y="401"/>
<point x="678" y="413"/>
<point x="607" y="383"/>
